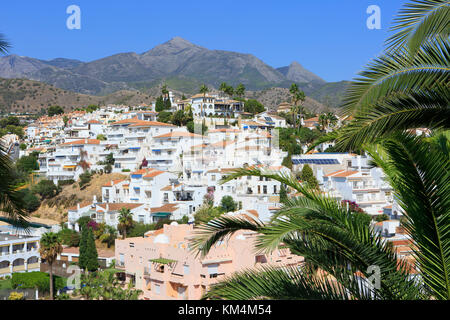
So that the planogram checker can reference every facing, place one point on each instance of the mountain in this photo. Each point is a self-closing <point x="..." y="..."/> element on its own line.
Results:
<point x="297" y="73"/>
<point x="181" y="64"/>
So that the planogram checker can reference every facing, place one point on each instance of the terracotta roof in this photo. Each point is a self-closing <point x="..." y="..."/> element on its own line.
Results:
<point x="142" y="123"/>
<point x="82" y="141"/>
<point x="341" y="174"/>
<point x="94" y="122"/>
<point x="177" y="134"/>
<point x="82" y="205"/>
<point x="169" y="207"/>
<point x="224" y="130"/>
<point x="315" y="119"/>
<point x="154" y="174"/>
<point x="114" y="182"/>
<point x="126" y="121"/>
<point x="253" y="212"/>
<point x="169" y="187"/>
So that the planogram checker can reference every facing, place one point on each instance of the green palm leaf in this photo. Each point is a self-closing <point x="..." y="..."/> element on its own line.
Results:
<point x="419" y="22"/>
<point x="419" y="172"/>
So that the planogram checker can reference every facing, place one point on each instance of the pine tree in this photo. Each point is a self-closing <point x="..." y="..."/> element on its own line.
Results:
<point x="91" y="252"/>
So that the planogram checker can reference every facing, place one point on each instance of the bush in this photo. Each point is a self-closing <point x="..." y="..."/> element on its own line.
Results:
<point x="307" y="176"/>
<point x="23" y="146"/>
<point x="139" y="229"/>
<point x="381" y="217"/>
<point x="31" y="202"/>
<point x="85" y="178"/>
<point x="69" y="237"/>
<point x="160" y="224"/>
<point x="27" y="164"/>
<point x="36" y="280"/>
<point x="46" y="189"/>
<point x="206" y="213"/>
<point x="227" y="204"/>
<point x="54" y="110"/>
<point x="62" y="183"/>
<point x="126" y="170"/>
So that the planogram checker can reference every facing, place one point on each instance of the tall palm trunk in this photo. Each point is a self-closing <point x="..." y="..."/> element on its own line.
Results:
<point x="51" y="280"/>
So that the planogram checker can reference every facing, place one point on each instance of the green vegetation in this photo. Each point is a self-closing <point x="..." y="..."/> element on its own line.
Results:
<point x="54" y="110"/>
<point x="49" y="248"/>
<point x="404" y="89"/>
<point x="206" y="213"/>
<point x="11" y="125"/>
<point x="88" y="252"/>
<point x="27" y="164"/>
<point x="307" y="176"/>
<point x="36" y="280"/>
<point x="46" y="189"/>
<point x="228" y="204"/>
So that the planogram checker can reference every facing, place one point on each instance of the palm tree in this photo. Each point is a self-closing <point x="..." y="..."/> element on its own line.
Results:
<point x="332" y="238"/>
<point x="203" y="90"/>
<point x="408" y="86"/>
<point x="109" y="235"/>
<point x="323" y="121"/>
<point x="11" y="202"/>
<point x="125" y="221"/>
<point x="297" y="95"/>
<point x="50" y="248"/>
<point x="240" y="90"/>
<point x="331" y="119"/>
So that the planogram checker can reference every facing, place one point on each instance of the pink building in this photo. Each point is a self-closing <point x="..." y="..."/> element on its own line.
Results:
<point x="162" y="265"/>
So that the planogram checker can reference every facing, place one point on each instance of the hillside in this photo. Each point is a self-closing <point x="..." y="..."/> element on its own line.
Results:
<point x="177" y="60"/>
<point x="272" y="97"/>
<point x="20" y="95"/>
<point x="56" y="208"/>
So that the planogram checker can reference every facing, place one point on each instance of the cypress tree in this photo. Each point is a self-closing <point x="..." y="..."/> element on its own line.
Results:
<point x="91" y="252"/>
<point x="309" y="178"/>
<point x="83" y="246"/>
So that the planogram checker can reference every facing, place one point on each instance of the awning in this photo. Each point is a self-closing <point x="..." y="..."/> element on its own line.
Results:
<point x="156" y="150"/>
<point x="70" y="167"/>
<point x="161" y="214"/>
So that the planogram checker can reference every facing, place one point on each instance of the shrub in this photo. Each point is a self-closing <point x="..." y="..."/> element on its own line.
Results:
<point x="16" y="296"/>
<point x="31" y="202"/>
<point x="139" y="229"/>
<point x="227" y="204"/>
<point x="62" y="183"/>
<point x="382" y="217"/>
<point x="36" y="280"/>
<point x="27" y="164"/>
<point x="46" y="189"/>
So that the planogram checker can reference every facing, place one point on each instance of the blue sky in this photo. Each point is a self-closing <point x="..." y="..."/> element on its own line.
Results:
<point x="328" y="37"/>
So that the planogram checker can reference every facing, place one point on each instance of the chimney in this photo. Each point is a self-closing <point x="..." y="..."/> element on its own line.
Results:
<point x="107" y="207"/>
<point x="94" y="199"/>
<point x="78" y="206"/>
<point x="240" y="122"/>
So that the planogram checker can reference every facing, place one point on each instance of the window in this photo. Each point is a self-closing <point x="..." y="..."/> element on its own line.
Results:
<point x="157" y="289"/>
<point x="213" y="269"/>
<point x="166" y="197"/>
<point x="213" y="177"/>
<point x="185" y="270"/>
<point x="265" y="189"/>
<point x="141" y="218"/>
<point x="275" y="189"/>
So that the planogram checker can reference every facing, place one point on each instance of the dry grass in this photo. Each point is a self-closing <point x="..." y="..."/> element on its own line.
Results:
<point x="56" y="208"/>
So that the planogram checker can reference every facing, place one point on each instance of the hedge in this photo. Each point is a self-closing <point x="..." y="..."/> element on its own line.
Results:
<point x="36" y="280"/>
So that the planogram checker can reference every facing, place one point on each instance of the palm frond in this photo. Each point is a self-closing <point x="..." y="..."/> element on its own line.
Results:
<point x="420" y="175"/>
<point x="11" y="202"/>
<point x="418" y="22"/>
<point x="4" y="44"/>
<point x="273" y="283"/>
<point x="415" y="110"/>
<point x="397" y="73"/>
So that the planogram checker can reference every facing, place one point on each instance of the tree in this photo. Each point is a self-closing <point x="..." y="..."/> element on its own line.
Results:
<point x="65" y="120"/>
<point x="341" y="243"/>
<point x="101" y="137"/>
<point x="406" y="87"/>
<point x="381" y="217"/>
<point x="203" y="90"/>
<point x="104" y="285"/>
<point x="91" y="252"/>
<point x="27" y="164"/>
<point x="253" y="106"/>
<point x="165" y="116"/>
<point x="297" y="95"/>
<point x="159" y="105"/>
<point x="31" y="202"/>
<point x="54" y="110"/>
<point x="191" y="127"/>
<point x="50" y="248"/>
<point x="125" y="221"/>
<point x="109" y="235"/>
<point x="308" y="177"/>
<point x="227" y="204"/>
<point x="46" y="189"/>
<point x="240" y="90"/>
<point x="206" y="213"/>
<point x="88" y="259"/>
